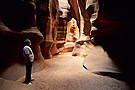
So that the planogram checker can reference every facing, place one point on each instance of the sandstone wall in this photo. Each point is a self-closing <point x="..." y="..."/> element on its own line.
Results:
<point x="17" y="22"/>
<point x="115" y="24"/>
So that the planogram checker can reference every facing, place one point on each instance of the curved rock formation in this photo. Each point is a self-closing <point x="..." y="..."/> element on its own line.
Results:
<point x="17" y="22"/>
<point x="85" y="14"/>
<point x="47" y="21"/>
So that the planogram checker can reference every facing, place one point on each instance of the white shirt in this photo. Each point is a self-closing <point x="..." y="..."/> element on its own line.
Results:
<point x="28" y="50"/>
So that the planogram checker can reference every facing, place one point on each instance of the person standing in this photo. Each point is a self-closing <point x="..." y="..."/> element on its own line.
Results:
<point x="28" y="59"/>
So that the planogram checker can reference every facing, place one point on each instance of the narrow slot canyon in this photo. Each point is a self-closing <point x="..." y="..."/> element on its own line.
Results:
<point x="77" y="44"/>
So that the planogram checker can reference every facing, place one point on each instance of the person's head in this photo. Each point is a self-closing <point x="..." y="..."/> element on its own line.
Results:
<point x="27" y="42"/>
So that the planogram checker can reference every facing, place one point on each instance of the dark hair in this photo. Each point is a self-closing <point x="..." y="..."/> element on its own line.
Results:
<point x="27" y="41"/>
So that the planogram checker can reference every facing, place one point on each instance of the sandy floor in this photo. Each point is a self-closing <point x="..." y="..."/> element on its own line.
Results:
<point x="65" y="72"/>
<point x="99" y="61"/>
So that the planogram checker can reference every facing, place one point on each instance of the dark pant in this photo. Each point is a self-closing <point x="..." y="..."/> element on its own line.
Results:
<point x="28" y="73"/>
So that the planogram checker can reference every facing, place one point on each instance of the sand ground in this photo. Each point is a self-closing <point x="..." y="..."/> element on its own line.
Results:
<point x="66" y="72"/>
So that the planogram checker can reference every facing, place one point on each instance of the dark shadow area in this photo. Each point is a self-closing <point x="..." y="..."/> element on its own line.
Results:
<point x="115" y="24"/>
<point x="10" y="52"/>
<point x="120" y="76"/>
<point x="17" y="14"/>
